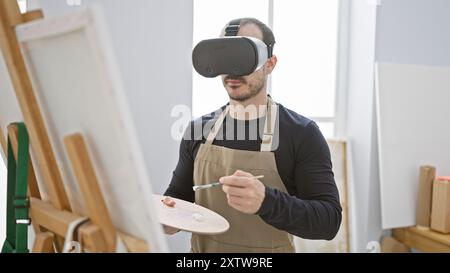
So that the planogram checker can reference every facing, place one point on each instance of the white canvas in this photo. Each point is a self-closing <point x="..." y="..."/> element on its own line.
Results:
<point x="413" y="114"/>
<point x="78" y="88"/>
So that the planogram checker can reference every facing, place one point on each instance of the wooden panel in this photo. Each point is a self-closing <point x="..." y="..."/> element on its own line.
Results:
<point x="413" y="130"/>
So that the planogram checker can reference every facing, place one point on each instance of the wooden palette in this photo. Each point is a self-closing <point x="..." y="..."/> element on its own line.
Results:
<point x="190" y="217"/>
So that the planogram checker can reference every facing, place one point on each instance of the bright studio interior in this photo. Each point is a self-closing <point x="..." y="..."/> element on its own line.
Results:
<point x="231" y="126"/>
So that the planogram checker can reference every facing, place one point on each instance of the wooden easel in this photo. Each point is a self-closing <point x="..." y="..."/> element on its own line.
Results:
<point x="51" y="219"/>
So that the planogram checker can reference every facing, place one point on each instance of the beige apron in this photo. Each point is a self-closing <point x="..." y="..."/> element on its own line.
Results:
<point x="247" y="233"/>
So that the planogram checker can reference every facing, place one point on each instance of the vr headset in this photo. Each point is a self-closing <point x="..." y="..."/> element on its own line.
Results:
<point x="231" y="55"/>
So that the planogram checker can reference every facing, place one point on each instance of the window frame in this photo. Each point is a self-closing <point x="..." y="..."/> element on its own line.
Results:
<point x="342" y="63"/>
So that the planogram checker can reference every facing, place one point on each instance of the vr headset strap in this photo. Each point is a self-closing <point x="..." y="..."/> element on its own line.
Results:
<point x="233" y="28"/>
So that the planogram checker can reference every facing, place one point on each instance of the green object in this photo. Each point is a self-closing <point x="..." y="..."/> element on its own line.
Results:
<point x="17" y="203"/>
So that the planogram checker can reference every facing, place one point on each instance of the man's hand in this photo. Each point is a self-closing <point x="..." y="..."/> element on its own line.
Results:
<point x="244" y="192"/>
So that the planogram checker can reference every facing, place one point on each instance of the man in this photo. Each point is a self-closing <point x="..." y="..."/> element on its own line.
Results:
<point x="298" y="194"/>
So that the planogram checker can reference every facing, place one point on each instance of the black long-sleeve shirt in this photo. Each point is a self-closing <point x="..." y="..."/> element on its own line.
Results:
<point x="311" y="208"/>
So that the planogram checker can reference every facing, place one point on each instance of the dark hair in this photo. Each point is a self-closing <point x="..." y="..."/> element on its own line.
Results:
<point x="268" y="37"/>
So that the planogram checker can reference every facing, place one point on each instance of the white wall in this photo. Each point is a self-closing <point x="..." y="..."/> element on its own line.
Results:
<point x="414" y="32"/>
<point x="364" y="206"/>
<point x="152" y="41"/>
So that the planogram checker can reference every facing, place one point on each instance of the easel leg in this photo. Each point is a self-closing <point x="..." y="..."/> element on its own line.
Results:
<point x="44" y="243"/>
<point x="89" y="186"/>
<point x="3" y="142"/>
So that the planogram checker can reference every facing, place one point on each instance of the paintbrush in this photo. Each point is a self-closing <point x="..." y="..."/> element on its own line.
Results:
<point x="215" y="184"/>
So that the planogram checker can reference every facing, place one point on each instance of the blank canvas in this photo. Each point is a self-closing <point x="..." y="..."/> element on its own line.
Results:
<point x="413" y="116"/>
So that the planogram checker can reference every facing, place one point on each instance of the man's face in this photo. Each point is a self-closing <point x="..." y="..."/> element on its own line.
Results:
<point x="246" y="87"/>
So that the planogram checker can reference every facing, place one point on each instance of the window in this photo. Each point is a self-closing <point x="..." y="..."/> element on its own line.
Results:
<point x="22" y="5"/>
<point x="307" y="45"/>
<point x="305" y="79"/>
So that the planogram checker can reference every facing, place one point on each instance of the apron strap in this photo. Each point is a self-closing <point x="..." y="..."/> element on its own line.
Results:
<point x="215" y="129"/>
<point x="269" y="126"/>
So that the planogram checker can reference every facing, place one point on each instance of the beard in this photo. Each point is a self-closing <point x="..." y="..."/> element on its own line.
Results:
<point x="254" y="88"/>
